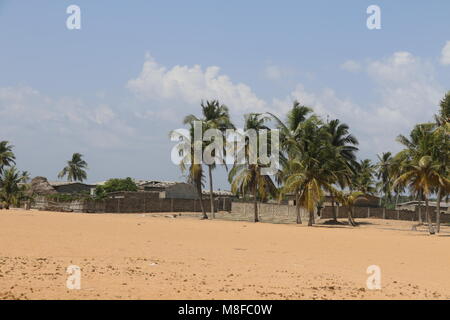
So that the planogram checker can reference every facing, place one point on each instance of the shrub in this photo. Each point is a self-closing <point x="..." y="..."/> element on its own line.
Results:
<point x="115" y="185"/>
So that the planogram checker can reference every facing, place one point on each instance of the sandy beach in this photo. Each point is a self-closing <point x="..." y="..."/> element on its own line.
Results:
<point x="131" y="256"/>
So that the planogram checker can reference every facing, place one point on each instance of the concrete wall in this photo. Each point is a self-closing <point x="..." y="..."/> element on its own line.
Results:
<point x="367" y="212"/>
<point x="131" y="202"/>
<point x="181" y="191"/>
<point x="274" y="213"/>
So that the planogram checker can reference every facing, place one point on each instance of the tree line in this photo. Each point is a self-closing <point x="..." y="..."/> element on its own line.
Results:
<point x="318" y="156"/>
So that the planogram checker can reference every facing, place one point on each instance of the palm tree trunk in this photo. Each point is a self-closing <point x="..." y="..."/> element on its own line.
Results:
<point x="438" y="210"/>
<point x="311" y="218"/>
<point x="430" y="223"/>
<point x="200" y="197"/>
<point x="396" y="199"/>
<point x="297" y="208"/>
<point x="351" y="221"/>
<point x="385" y="200"/>
<point x="420" y="208"/>
<point x="333" y="208"/>
<point x="211" y="193"/>
<point x="255" y="203"/>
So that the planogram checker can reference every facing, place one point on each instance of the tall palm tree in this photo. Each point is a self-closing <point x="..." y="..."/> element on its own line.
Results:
<point x="443" y="117"/>
<point x="363" y="180"/>
<point x="215" y="116"/>
<point x="246" y="178"/>
<point x="396" y="170"/>
<point x="384" y="174"/>
<point x="346" y="164"/>
<point x="11" y="191"/>
<point x="442" y="133"/>
<point x="290" y="135"/>
<point x="7" y="157"/>
<point x="75" y="169"/>
<point x="420" y="143"/>
<point x="195" y="175"/>
<point x="423" y="176"/>
<point x="310" y="169"/>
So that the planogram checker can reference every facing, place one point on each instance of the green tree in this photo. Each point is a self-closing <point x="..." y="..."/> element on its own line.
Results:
<point x="247" y="179"/>
<point x="193" y="171"/>
<point x="423" y="176"/>
<point x="75" y="169"/>
<point x="349" y="200"/>
<point x="115" y="185"/>
<point x="420" y="143"/>
<point x="290" y="135"/>
<point x="442" y="153"/>
<point x="7" y="157"/>
<point x="214" y="116"/>
<point x="11" y="191"/>
<point x="384" y="175"/>
<point x="310" y="167"/>
<point x="363" y="179"/>
<point x="345" y="164"/>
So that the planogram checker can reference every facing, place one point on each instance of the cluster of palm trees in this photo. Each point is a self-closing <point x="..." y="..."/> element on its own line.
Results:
<point x="422" y="166"/>
<point x="315" y="156"/>
<point x="318" y="157"/>
<point x="12" y="181"/>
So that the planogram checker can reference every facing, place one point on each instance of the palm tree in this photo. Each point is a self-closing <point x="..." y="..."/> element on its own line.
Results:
<point x="290" y="134"/>
<point x="420" y="143"/>
<point x="11" y="191"/>
<point x="346" y="144"/>
<point x="442" y="132"/>
<point x="384" y="174"/>
<point x="396" y="170"/>
<point x="349" y="200"/>
<point x="363" y="179"/>
<point x="7" y="157"/>
<point x="312" y="165"/>
<point x="444" y="113"/>
<point x="247" y="179"/>
<point x="215" y="116"/>
<point x="194" y="170"/>
<point x="75" y="169"/>
<point x="423" y="176"/>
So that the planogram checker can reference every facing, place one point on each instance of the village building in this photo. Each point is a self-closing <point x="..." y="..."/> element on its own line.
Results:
<point x="412" y="206"/>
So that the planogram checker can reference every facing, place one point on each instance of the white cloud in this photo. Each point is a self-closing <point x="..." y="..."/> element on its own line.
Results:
<point x="407" y="86"/>
<point x="351" y="66"/>
<point x="407" y="91"/>
<point x="192" y="84"/>
<point x="24" y="109"/>
<point x="445" y="58"/>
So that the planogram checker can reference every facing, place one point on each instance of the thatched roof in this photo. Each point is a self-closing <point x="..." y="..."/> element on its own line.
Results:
<point x="40" y="186"/>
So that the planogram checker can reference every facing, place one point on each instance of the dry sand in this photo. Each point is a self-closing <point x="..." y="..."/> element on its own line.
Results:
<point x="145" y="257"/>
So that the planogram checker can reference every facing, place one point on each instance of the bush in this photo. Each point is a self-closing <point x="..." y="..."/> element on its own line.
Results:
<point x="115" y="185"/>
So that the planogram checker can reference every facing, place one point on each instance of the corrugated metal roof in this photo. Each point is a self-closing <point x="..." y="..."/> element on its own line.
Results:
<point x="430" y="203"/>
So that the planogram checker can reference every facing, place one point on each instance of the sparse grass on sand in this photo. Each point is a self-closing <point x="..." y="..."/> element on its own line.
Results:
<point x="136" y="256"/>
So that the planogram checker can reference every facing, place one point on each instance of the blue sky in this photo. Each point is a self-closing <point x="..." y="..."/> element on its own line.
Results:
<point x="114" y="89"/>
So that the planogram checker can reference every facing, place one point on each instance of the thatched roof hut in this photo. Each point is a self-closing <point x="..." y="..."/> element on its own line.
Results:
<point x="41" y="186"/>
